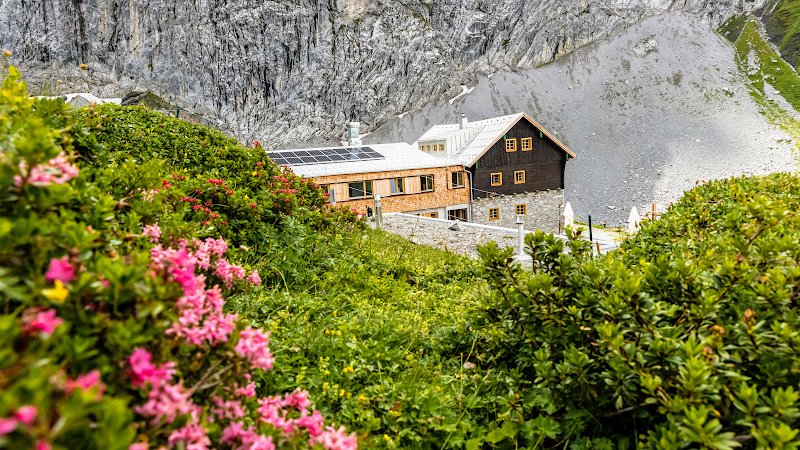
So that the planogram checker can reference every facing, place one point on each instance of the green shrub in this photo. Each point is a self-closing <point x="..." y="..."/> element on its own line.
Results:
<point x="686" y="337"/>
<point x="107" y="340"/>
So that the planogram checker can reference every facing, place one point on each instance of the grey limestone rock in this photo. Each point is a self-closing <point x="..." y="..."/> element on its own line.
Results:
<point x="292" y="71"/>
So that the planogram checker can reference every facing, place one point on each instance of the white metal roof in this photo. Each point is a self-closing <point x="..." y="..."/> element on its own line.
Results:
<point x="399" y="156"/>
<point x="489" y="132"/>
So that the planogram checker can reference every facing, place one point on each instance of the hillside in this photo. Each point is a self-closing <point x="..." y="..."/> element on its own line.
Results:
<point x="293" y="71"/>
<point x="648" y="112"/>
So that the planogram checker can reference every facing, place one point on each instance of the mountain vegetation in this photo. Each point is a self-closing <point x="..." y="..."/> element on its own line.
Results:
<point x="162" y="285"/>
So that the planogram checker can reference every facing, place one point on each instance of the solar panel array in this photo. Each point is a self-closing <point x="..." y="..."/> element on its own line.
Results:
<point x="323" y="156"/>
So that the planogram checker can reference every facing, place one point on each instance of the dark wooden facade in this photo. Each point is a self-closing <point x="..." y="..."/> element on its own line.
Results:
<point x="543" y="163"/>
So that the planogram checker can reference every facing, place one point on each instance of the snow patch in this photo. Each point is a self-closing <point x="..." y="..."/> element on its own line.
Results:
<point x="464" y="91"/>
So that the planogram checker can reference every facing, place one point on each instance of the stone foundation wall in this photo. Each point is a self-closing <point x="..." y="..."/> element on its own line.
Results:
<point x="543" y="210"/>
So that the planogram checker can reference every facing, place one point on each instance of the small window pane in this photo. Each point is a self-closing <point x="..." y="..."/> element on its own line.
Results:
<point x="426" y="182"/>
<point x="396" y="185"/>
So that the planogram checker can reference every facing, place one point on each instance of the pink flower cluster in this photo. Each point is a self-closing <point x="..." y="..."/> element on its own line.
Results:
<point x="254" y="278"/>
<point x="253" y="346"/>
<point x="227" y="272"/>
<point x="24" y="415"/>
<point x="287" y="191"/>
<point x="193" y="435"/>
<point x="34" y="320"/>
<point x="201" y="320"/>
<point x="153" y="231"/>
<point x="86" y="382"/>
<point x="215" y="181"/>
<point x="58" y="170"/>
<point x="143" y="371"/>
<point x="60" y="269"/>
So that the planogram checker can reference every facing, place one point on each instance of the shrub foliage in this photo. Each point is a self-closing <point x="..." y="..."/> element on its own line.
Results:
<point x="112" y="296"/>
<point x="687" y="337"/>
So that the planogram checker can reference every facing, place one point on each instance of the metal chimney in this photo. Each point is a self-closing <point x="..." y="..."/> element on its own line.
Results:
<point x="353" y="138"/>
<point x="464" y="121"/>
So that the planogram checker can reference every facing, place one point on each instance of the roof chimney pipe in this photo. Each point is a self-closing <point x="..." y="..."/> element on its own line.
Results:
<point x="353" y="138"/>
<point x="464" y="121"/>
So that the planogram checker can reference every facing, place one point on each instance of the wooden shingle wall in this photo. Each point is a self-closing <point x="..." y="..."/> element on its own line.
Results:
<point x="412" y="200"/>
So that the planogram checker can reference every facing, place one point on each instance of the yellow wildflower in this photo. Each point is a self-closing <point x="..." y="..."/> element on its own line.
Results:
<point x="246" y="197"/>
<point x="57" y="294"/>
<point x="185" y="170"/>
<point x="386" y="436"/>
<point x="361" y="398"/>
<point x="341" y="393"/>
<point x="339" y="333"/>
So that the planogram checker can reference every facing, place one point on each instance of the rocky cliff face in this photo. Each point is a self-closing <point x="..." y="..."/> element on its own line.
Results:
<point x="290" y="71"/>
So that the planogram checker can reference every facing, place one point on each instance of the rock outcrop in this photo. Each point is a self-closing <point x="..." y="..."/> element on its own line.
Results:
<point x="295" y="70"/>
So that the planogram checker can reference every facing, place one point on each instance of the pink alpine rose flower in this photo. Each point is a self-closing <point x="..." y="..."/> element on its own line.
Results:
<point x="45" y="322"/>
<point x="7" y="426"/>
<point x="154" y="231"/>
<point x="254" y="278"/>
<point x="60" y="269"/>
<point x="26" y="414"/>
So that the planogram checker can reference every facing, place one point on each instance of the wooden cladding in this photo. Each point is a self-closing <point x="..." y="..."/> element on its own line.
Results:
<point x="415" y="196"/>
<point x="537" y="166"/>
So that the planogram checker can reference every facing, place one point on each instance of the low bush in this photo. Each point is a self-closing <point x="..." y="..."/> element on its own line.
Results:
<point x="686" y="337"/>
<point x="111" y="306"/>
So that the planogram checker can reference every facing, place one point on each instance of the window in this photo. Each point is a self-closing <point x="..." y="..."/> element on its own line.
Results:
<point x="494" y="213"/>
<point x="519" y="176"/>
<point x="458" y="180"/>
<point x="497" y="179"/>
<point x="521" y="209"/>
<point x="441" y="147"/>
<point x="457" y="214"/>
<point x="360" y="189"/>
<point x="511" y="145"/>
<point x="432" y="215"/>
<point x="426" y="183"/>
<point x="422" y="148"/>
<point x="526" y="144"/>
<point x="428" y="148"/>
<point x="396" y="185"/>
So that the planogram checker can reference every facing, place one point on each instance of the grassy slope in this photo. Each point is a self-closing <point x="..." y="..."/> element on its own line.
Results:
<point x="773" y="70"/>
<point x="783" y="27"/>
<point x="375" y="338"/>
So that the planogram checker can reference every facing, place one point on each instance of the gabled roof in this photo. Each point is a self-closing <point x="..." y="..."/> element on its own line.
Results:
<point x="488" y="132"/>
<point x="399" y="156"/>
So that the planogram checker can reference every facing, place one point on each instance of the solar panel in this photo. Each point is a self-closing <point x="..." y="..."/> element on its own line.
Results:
<point x="324" y="155"/>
